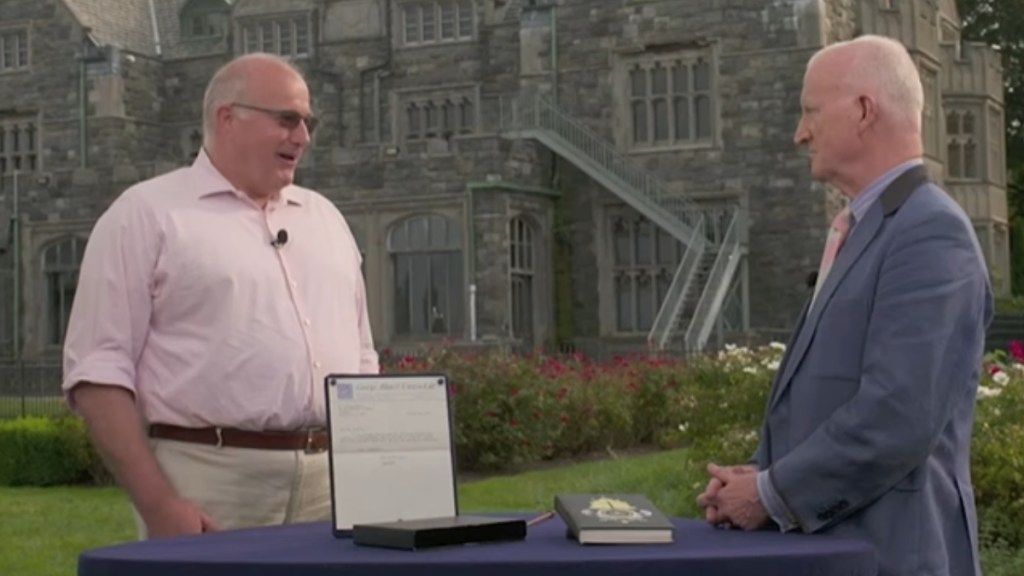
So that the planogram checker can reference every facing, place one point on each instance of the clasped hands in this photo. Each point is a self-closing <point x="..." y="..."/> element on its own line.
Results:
<point x="731" y="499"/>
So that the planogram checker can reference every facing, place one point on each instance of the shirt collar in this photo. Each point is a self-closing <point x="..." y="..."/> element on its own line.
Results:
<point x="864" y="200"/>
<point x="209" y="181"/>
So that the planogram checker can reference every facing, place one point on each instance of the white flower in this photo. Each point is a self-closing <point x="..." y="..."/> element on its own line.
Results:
<point x="777" y="346"/>
<point x="750" y="370"/>
<point x="984" y="392"/>
<point x="773" y="365"/>
<point x="1001" y="378"/>
<point x="682" y="427"/>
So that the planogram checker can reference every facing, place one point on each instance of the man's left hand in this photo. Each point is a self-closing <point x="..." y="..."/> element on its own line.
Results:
<point x="737" y="500"/>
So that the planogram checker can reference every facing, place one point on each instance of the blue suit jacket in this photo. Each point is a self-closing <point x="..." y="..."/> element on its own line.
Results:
<point x="868" y="425"/>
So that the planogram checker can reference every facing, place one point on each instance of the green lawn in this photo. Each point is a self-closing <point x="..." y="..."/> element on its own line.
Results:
<point x="42" y="530"/>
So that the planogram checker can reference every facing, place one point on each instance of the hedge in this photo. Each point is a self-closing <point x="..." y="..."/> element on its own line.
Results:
<point x="513" y="411"/>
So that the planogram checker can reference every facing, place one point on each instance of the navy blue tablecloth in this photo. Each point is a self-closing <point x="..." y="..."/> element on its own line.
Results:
<point x="311" y="550"/>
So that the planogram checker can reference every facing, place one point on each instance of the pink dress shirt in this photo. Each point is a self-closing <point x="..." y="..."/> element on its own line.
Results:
<point x="183" y="300"/>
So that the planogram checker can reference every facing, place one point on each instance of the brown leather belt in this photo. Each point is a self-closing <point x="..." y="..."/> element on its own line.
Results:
<point x="312" y="440"/>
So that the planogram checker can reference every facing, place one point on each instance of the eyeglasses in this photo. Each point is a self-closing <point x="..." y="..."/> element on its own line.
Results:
<point x="288" y="119"/>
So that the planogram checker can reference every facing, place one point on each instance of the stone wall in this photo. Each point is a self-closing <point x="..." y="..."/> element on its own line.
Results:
<point x="760" y="58"/>
<point x="143" y="117"/>
<point x="49" y="88"/>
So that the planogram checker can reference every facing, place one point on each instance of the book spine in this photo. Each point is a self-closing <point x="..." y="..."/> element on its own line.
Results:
<point x="567" y="516"/>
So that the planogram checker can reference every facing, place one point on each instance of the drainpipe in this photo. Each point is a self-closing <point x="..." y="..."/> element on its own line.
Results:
<point x="16" y="257"/>
<point x="82" y="135"/>
<point x="556" y="172"/>
<point x="471" y="260"/>
<point x="472" y="312"/>
<point x="324" y="68"/>
<point x="377" y="68"/>
<point x="554" y="54"/>
<point x="156" y="29"/>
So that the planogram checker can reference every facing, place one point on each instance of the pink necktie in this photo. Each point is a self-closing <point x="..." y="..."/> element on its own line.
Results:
<point x="836" y="236"/>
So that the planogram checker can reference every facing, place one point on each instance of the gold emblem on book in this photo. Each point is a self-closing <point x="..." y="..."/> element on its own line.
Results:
<point x="615" y="510"/>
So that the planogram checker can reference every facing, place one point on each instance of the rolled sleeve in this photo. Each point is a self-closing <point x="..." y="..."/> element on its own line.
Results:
<point x="110" y="315"/>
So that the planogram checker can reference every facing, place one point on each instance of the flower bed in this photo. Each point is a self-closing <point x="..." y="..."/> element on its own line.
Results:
<point x="511" y="411"/>
<point x="514" y="410"/>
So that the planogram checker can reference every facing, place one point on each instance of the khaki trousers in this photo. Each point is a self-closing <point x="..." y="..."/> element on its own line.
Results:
<point x="243" y="487"/>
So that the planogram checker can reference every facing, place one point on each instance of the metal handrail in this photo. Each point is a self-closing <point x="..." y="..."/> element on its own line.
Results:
<point x="703" y="314"/>
<point x="679" y="215"/>
<point x="675" y="296"/>
<point x="539" y="112"/>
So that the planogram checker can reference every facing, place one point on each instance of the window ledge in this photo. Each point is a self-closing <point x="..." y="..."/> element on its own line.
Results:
<point x="403" y="46"/>
<point x="709" y="145"/>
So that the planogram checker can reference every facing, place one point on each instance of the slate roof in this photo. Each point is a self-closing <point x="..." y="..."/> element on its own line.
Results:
<point x="124" y="23"/>
<point x="128" y="24"/>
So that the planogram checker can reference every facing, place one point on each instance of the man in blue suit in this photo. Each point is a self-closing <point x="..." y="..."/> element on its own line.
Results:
<point x="868" y="424"/>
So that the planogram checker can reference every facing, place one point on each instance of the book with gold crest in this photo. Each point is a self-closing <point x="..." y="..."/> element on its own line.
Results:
<point x="613" y="519"/>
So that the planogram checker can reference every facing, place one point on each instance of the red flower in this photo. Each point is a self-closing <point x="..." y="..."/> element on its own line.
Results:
<point x="1017" y="350"/>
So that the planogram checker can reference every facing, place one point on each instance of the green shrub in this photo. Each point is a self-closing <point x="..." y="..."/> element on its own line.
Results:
<point x="1010" y="305"/>
<point x="729" y="395"/>
<point x="37" y="451"/>
<point x="512" y="411"/>
<point x="997" y="451"/>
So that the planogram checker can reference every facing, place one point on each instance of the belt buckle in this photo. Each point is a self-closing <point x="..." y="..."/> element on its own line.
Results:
<point x="310" y="449"/>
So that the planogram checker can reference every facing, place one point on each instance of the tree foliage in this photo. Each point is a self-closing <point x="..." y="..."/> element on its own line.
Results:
<point x="1000" y="23"/>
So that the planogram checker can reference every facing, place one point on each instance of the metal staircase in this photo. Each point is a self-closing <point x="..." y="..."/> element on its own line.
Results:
<point x="705" y="272"/>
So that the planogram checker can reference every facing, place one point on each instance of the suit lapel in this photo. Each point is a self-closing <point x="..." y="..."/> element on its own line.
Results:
<point x="860" y="238"/>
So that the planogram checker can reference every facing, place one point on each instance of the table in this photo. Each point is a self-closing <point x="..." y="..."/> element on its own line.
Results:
<point x="311" y="550"/>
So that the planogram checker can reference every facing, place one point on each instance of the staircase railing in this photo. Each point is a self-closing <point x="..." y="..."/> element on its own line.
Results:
<point x="716" y="286"/>
<point x="675" y="297"/>
<point x="537" y="112"/>
<point x="535" y="116"/>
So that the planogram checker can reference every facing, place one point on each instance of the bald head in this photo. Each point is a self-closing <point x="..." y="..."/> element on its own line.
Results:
<point x="257" y="121"/>
<point x="862" y="102"/>
<point x="235" y="81"/>
<point x="879" y="67"/>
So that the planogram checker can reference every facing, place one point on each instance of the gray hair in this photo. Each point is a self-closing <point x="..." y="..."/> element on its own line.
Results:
<point x="229" y="84"/>
<point x="884" y="66"/>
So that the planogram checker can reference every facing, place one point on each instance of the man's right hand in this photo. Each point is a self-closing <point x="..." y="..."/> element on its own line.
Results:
<point x="177" y="517"/>
<point x="115" y="428"/>
<point x="705" y="499"/>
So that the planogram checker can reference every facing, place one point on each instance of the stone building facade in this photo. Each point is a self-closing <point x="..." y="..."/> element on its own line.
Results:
<point x="514" y="170"/>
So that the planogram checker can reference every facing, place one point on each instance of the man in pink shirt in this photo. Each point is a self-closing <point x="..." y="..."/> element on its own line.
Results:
<point x="212" y="302"/>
